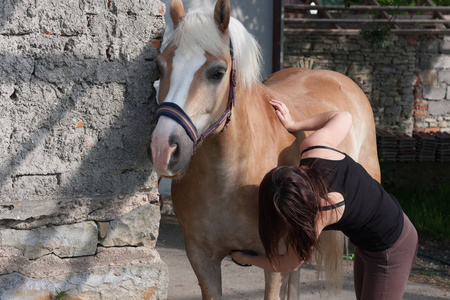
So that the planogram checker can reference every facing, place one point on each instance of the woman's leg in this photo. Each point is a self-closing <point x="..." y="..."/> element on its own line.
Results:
<point x="386" y="272"/>
<point x="358" y="273"/>
<point x="400" y="259"/>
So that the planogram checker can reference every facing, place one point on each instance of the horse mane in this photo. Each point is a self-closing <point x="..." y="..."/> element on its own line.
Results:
<point x="198" y="29"/>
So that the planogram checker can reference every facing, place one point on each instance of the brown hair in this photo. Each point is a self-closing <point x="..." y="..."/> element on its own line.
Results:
<point x="289" y="200"/>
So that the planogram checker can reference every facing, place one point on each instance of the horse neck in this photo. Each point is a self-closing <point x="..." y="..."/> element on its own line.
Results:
<point x="245" y="139"/>
<point x="252" y="114"/>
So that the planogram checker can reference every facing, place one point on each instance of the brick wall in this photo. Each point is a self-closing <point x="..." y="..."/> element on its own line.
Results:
<point x="408" y="85"/>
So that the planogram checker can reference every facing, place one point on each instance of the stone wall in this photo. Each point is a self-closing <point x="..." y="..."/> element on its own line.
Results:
<point x="408" y="85"/>
<point x="79" y="209"/>
<point x="432" y="93"/>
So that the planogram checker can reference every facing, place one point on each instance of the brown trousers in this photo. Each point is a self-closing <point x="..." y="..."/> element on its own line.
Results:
<point x="383" y="275"/>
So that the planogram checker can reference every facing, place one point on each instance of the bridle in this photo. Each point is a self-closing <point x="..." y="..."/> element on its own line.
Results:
<point x="175" y="112"/>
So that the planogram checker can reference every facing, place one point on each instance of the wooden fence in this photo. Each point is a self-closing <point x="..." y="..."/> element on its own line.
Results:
<point x="313" y="17"/>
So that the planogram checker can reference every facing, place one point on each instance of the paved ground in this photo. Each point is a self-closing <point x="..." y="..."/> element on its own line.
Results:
<point x="248" y="283"/>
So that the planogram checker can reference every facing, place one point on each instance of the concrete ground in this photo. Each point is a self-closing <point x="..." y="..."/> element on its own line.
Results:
<point x="248" y="283"/>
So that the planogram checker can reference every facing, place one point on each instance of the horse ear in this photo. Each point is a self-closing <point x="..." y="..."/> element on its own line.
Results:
<point x="222" y="14"/>
<point x="176" y="12"/>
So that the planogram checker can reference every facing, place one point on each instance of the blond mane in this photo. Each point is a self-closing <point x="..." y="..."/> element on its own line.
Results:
<point x="198" y="29"/>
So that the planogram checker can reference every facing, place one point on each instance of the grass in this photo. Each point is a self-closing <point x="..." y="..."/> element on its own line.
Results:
<point x="60" y="294"/>
<point x="428" y="210"/>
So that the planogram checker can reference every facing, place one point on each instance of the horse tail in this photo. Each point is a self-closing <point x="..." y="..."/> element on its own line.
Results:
<point x="330" y="258"/>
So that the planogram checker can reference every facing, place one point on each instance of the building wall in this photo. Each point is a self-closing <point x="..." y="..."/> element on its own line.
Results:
<point x="406" y="84"/>
<point x="77" y="105"/>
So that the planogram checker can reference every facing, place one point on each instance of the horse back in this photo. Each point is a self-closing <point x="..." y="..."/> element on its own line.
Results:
<point x="309" y="92"/>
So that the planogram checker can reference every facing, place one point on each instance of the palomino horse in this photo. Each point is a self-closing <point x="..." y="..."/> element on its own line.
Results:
<point x="210" y="63"/>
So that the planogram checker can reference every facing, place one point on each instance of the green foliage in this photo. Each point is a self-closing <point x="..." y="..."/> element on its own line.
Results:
<point x="427" y="210"/>
<point x="60" y="294"/>
<point x="441" y="2"/>
<point x="377" y="35"/>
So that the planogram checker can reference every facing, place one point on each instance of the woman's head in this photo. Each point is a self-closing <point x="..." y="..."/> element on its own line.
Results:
<point x="289" y="200"/>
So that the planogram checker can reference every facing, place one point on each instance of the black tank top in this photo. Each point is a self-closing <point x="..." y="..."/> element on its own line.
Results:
<point x="372" y="219"/>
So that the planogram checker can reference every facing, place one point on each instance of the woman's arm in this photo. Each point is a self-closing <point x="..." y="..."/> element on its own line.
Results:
<point x="287" y="262"/>
<point x="330" y="127"/>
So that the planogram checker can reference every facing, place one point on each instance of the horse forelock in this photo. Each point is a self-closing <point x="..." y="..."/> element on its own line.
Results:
<point x="199" y="30"/>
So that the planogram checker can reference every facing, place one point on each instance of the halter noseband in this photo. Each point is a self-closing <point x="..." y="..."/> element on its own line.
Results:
<point x="175" y="112"/>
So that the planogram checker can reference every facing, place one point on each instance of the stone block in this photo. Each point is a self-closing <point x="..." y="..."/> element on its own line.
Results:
<point x="429" y="46"/>
<point x="429" y="77"/>
<point x="425" y="61"/>
<point x="444" y="76"/>
<point x="434" y="93"/>
<point x="360" y="69"/>
<point x="52" y="21"/>
<point x="350" y="46"/>
<point x="37" y="185"/>
<point x="443" y="124"/>
<point x="137" y="228"/>
<point x="341" y="68"/>
<point x="64" y="241"/>
<point x="18" y="18"/>
<point x="114" y="273"/>
<point x="28" y="215"/>
<point x="393" y="111"/>
<point x="439" y="108"/>
<point x="408" y="99"/>
<point x="386" y="101"/>
<point x="440" y="62"/>
<point x="103" y="228"/>
<point x="444" y="47"/>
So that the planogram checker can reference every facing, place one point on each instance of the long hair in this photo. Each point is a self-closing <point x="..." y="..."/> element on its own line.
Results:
<point x="289" y="200"/>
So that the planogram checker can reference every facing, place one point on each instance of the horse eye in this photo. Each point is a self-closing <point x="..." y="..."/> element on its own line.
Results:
<point x="218" y="74"/>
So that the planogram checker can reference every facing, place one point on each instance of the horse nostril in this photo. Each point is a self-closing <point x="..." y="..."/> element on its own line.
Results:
<point x="175" y="149"/>
<point x="175" y="155"/>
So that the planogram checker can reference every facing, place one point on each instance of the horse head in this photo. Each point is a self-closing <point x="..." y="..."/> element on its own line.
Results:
<point x="196" y="84"/>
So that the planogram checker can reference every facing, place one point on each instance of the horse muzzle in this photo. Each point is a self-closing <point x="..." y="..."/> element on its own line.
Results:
<point x="170" y="152"/>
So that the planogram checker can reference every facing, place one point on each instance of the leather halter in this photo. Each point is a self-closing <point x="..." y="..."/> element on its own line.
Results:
<point x="175" y="112"/>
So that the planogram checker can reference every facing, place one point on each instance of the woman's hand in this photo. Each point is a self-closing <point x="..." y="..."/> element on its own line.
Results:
<point x="287" y="262"/>
<point x="241" y="258"/>
<point x="283" y="115"/>
<point x="330" y="128"/>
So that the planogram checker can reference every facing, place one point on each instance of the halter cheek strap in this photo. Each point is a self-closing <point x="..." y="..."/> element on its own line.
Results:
<point x="175" y="112"/>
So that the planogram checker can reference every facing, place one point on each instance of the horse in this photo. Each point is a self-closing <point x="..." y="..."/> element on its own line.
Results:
<point x="216" y="137"/>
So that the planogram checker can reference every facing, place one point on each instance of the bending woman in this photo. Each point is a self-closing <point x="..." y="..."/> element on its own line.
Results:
<point x="330" y="191"/>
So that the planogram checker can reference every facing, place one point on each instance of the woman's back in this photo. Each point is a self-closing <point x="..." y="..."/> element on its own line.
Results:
<point x="373" y="219"/>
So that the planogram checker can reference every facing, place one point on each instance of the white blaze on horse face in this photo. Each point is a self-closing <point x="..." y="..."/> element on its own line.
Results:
<point x="185" y="65"/>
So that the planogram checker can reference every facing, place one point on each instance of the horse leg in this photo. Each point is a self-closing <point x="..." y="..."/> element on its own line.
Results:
<point x="207" y="269"/>
<point x="276" y="286"/>
<point x="294" y="285"/>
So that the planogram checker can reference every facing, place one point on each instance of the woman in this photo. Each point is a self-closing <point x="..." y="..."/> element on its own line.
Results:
<point x="330" y="191"/>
